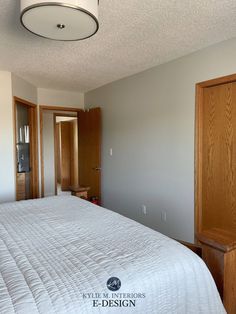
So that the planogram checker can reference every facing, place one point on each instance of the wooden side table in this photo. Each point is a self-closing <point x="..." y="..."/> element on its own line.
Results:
<point x="80" y="191"/>
<point x="219" y="253"/>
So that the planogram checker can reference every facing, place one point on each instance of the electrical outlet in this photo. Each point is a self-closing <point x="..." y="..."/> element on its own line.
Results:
<point x="163" y="216"/>
<point x="144" y="210"/>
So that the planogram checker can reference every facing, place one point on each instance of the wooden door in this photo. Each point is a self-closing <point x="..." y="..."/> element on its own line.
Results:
<point x="216" y="157"/>
<point x="65" y="155"/>
<point x="89" y="125"/>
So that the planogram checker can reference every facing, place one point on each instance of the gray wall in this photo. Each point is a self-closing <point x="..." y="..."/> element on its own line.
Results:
<point x="148" y="120"/>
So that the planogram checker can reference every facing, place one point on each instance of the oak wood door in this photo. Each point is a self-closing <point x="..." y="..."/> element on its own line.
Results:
<point x="218" y="157"/>
<point x="89" y="125"/>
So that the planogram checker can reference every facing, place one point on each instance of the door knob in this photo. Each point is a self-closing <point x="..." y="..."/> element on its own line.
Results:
<point x="97" y="168"/>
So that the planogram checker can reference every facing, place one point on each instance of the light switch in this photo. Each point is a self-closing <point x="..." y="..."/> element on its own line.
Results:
<point x="163" y="216"/>
<point x="111" y="151"/>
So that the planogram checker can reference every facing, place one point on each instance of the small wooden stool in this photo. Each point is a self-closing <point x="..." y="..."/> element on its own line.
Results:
<point x="80" y="191"/>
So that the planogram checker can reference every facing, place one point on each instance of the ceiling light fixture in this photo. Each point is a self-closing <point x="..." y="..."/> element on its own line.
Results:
<point x="60" y="20"/>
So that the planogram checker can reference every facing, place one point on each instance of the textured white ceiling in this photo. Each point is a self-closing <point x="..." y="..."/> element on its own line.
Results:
<point x="134" y="35"/>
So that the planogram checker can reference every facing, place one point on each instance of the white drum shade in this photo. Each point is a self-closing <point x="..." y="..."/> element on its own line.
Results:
<point x="60" y="20"/>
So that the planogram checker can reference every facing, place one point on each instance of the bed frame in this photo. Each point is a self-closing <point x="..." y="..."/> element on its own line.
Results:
<point x="217" y="248"/>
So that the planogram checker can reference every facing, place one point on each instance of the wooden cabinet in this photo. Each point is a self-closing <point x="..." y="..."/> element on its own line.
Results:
<point x="219" y="253"/>
<point x="215" y="182"/>
<point x="215" y="190"/>
<point x="79" y="191"/>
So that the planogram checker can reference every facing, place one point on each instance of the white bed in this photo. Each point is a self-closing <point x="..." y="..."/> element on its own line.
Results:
<point x="57" y="250"/>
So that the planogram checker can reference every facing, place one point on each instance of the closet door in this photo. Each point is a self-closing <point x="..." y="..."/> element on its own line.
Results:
<point x="89" y="124"/>
<point x="216" y="158"/>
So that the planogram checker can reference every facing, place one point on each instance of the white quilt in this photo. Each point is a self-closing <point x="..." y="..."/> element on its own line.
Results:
<point x="57" y="254"/>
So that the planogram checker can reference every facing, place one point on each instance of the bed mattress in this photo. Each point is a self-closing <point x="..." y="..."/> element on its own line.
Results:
<point x="66" y="255"/>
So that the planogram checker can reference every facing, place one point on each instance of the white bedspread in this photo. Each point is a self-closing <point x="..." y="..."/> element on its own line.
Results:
<point x="56" y="255"/>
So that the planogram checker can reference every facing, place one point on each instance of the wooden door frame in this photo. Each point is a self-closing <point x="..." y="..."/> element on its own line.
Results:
<point x="33" y="143"/>
<point x="198" y="145"/>
<point x="42" y="109"/>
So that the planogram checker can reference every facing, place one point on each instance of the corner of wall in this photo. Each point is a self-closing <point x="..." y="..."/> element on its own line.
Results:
<point x="60" y="98"/>
<point x="24" y="89"/>
<point x="7" y="170"/>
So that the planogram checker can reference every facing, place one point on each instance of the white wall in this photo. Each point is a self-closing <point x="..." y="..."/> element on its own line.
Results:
<point x="148" y="120"/>
<point x="7" y="170"/>
<point x="23" y="89"/>
<point x="10" y="85"/>
<point x="61" y="119"/>
<point x="60" y="98"/>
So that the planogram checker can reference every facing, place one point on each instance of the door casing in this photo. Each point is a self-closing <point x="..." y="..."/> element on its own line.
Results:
<point x="199" y="144"/>
<point x="33" y="122"/>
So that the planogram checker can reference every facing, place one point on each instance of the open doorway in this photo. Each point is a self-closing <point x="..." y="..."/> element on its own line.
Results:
<point x="57" y="144"/>
<point x="85" y="156"/>
<point x="66" y="152"/>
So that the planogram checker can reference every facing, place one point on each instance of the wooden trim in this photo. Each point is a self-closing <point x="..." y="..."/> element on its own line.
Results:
<point x="198" y="160"/>
<point x="218" y="81"/>
<point x="55" y="115"/>
<point x="41" y="150"/>
<point x="57" y="108"/>
<point x="55" y="154"/>
<point x="34" y="151"/>
<point x="219" y="239"/>
<point x="34" y="184"/>
<point x="14" y="144"/>
<point x="24" y="102"/>
<point x="43" y="108"/>
<point x="198" y="145"/>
